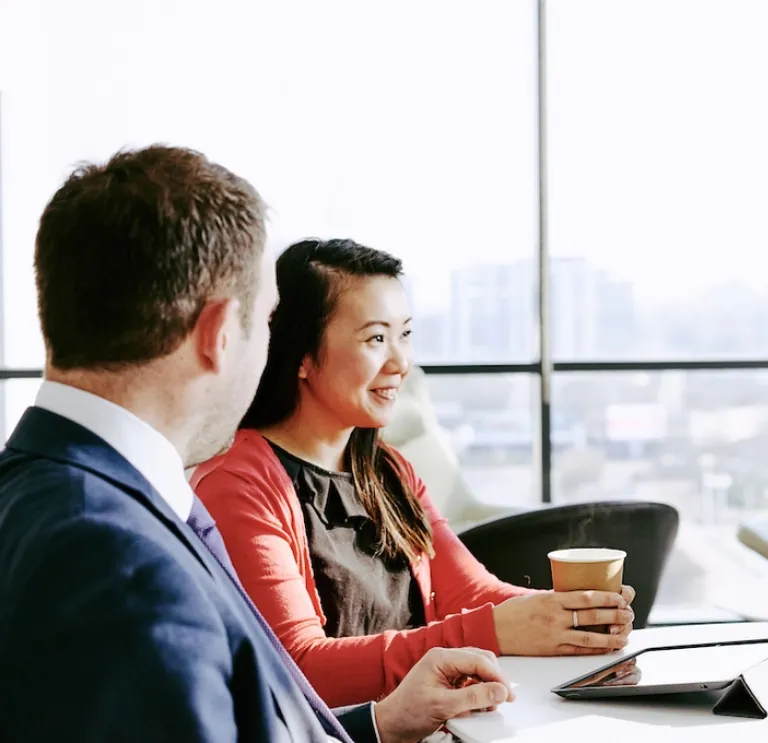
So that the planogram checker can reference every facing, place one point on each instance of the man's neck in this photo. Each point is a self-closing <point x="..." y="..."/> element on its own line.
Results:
<point x="138" y="391"/>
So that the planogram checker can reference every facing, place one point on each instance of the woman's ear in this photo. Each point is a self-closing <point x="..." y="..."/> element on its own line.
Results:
<point x="303" y="369"/>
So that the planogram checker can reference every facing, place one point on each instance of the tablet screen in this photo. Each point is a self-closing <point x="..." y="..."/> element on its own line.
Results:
<point x="672" y="667"/>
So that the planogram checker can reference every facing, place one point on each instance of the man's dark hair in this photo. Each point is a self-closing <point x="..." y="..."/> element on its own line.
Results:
<point x="129" y="252"/>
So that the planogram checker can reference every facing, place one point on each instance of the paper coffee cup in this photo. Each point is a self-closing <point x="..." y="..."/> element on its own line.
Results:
<point x="587" y="569"/>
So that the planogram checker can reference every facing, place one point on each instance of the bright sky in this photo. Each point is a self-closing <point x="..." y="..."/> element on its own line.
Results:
<point x="410" y="125"/>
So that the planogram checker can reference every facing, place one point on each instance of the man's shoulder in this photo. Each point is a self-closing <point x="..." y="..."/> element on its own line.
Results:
<point x="97" y="593"/>
<point x="49" y="509"/>
<point x="68" y="537"/>
<point x="50" y="490"/>
<point x="39" y="487"/>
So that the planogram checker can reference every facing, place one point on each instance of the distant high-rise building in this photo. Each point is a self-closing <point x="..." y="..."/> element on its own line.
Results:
<point x="617" y="335"/>
<point x="491" y="313"/>
<point x="573" y="309"/>
<point x="431" y="340"/>
<point x="493" y="320"/>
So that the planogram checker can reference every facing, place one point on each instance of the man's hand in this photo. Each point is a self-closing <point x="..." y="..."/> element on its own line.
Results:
<point x="542" y="623"/>
<point x="428" y="696"/>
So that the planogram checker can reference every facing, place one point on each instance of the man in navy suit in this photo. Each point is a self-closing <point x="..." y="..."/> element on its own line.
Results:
<point x="121" y="618"/>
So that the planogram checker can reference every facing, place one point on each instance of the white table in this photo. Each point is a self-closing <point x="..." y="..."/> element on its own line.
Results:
<point x="536" y="706"/>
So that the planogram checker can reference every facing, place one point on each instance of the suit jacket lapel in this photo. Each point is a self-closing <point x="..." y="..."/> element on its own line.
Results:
<point x="51" y="436"/>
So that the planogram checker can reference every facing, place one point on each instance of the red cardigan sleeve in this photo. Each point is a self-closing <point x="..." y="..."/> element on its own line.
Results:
<point x="259" y="520"/>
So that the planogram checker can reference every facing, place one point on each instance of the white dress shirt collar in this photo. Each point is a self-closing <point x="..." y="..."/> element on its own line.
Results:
<point x="153" y="455"/>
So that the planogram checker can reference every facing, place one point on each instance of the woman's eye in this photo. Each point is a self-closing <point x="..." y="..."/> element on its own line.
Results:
<point x="407" y="333"/>
<point x="377" y="338"/>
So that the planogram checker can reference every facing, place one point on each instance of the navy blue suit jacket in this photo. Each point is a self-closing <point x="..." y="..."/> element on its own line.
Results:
<point x="116" y="624"/>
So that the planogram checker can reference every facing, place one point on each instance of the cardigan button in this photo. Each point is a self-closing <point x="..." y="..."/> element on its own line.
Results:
<point x="432" y="596"/>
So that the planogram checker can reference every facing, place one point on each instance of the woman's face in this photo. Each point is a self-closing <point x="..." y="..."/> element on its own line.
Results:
<point x="365" y="354"/>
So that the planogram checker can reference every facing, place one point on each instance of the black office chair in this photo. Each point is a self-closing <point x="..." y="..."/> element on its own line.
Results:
<point x="515" y="547"/>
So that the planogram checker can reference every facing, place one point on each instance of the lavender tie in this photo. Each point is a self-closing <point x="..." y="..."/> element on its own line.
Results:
<point x="204" y="526"/>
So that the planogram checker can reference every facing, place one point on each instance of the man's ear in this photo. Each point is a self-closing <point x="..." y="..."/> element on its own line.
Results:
<point x="215" y="330"/>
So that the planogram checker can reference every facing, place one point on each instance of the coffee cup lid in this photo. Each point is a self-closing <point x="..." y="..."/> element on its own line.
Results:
<point x="586" y="554"/>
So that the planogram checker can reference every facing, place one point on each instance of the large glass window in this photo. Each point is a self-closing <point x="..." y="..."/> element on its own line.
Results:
<point x="17" y="395"/>
<point x="407" y="126"/>
<point x="658" y="158"/>
<point x="412" y="127"/>
<point x="25" y="181"/>
<point x="694" y="439"/>
<point x="490" y="426"/>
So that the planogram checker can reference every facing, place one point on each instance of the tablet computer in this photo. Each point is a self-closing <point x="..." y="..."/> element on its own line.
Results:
<point x="669" y="670"/>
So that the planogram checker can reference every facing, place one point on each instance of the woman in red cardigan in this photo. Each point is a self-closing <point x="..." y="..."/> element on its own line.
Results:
<point x="332" y="533"/>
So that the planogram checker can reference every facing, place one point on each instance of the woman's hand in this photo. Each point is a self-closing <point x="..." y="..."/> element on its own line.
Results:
<point x="543" y="623"/>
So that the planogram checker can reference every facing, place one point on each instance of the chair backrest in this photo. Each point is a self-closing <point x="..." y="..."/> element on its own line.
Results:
<point x="514" y="548"/>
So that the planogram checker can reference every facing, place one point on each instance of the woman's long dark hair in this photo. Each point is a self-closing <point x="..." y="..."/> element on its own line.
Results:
<point x="310" y="277"/>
